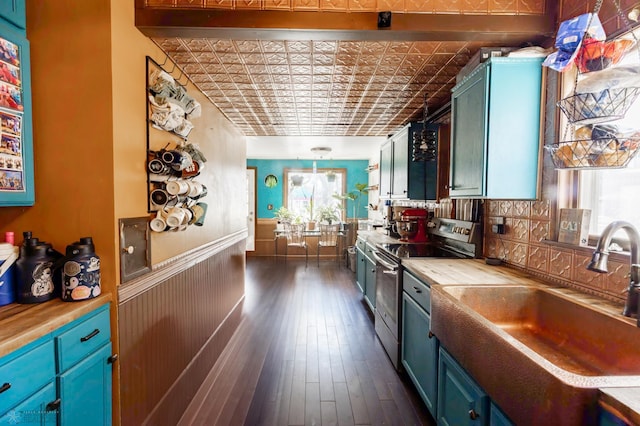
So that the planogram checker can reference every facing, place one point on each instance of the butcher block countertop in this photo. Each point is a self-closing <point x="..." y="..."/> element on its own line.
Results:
<point x="23" y="324"/>
<point x="464" y="272"/>
<point x="623" y="402"/>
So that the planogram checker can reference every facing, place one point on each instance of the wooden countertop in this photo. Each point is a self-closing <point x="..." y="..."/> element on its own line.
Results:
<point x="624" y="402"/>
<point x="464" y="272"/>
<point x="23" y="324"/>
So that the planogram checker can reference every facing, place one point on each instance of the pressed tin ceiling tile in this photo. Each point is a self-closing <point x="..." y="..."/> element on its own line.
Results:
<point x="314" y="87"/>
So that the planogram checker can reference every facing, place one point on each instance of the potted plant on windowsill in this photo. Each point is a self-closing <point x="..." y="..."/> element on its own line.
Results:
<point x="328" y="214"/>
<point x="283" y="215"/>
<point x="354" y="196"/>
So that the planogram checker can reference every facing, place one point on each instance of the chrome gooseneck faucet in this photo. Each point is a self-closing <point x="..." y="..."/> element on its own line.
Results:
<point x="601" y="255"/>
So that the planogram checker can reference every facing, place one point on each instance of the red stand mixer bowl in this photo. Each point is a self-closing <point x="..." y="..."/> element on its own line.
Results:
<point x="420" y="217"/>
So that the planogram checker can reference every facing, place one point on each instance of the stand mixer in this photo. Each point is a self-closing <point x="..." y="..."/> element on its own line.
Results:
<point x="413" y="225"/>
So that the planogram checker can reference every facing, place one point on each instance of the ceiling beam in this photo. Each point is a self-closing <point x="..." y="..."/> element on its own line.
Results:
<point x="305" y="25"/>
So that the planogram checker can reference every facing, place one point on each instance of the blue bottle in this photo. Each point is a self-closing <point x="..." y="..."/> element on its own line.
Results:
<point x="81" y="271"/>
<point x="35" y="277"/>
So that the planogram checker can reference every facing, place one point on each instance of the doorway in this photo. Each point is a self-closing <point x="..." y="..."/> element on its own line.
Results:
<point x="251" y="208"/>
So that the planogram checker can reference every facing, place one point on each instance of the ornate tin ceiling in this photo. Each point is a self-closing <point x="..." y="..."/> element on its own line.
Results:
<point x="332" y="88"/>
<point x="339" y="77"/>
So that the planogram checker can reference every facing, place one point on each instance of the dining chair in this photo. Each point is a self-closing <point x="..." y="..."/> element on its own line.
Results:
<point x="296" y="239"/>
<point x="328" y="238"/>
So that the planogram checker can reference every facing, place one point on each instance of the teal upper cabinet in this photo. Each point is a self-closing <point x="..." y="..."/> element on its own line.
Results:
<point x="400" y="176"/>
<point x="16" y="151"/>
<point x="495" y="132"/>
<point x="386" y="162"/>
<point x="14" y="12"/>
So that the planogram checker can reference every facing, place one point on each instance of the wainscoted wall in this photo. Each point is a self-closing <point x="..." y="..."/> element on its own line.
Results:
<point x="525" y="245"/>
<point x="173" y="325"/>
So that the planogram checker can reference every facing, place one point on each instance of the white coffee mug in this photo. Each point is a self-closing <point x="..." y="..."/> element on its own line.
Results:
<point x="175" y="216"/>
<point x="159" y="223"/>
<point x="177" y="187"/>
<point x="195" y="188"/>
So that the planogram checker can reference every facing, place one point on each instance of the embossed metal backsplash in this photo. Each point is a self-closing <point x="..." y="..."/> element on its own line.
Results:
<point x="165" y="328"/>
<point x="528" y="224"/>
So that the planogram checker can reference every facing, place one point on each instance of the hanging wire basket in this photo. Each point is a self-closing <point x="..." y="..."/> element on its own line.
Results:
<point x="601" y="153"/>
<point x="598" y="107"/>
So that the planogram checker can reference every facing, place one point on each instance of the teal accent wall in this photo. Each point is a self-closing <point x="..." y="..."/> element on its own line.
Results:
<point x="356" y="173"/>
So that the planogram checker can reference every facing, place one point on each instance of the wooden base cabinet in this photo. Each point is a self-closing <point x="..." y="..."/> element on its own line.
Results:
<point x="62" y="378"/>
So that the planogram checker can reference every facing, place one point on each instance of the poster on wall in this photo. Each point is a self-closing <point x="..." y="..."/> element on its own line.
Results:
<point x="11" y="108"/>
<point x="11" y="159"/>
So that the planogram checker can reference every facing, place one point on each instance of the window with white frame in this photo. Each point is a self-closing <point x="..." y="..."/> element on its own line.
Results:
<point x="613" y="194"/>
<point x="308" y="191"/>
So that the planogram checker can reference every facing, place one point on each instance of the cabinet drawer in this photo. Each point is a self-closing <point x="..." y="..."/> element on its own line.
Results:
<point x="360" y="243"/>
<point x="369" y="248"/>
<point x="26" y="371"/>
<point x="418" y="290"/>
<point x="85" y="336"/>
<point x="35" y="410"/>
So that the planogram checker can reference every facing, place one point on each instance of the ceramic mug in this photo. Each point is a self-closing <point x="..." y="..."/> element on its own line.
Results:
<point x="175" y="216"/>
<point x="157" y="167"/>
<point x="195" y="189"/>
<point x="159" y="197"/>
<point x="159" y="223"/>
<point x="177" y="187"/>
<point x="172" y="157"/>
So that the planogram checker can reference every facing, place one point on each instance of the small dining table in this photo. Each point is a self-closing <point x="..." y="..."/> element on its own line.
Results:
<point x="281" y="233"/>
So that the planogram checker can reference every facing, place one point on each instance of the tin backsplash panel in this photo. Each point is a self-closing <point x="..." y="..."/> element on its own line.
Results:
<point x="524" y="245"/>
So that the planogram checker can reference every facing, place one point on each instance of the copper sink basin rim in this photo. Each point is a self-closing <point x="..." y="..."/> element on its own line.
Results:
<point x="540" y="354"/>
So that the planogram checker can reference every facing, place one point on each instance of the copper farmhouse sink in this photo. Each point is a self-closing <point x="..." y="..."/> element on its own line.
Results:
<point x="539" y="354"/>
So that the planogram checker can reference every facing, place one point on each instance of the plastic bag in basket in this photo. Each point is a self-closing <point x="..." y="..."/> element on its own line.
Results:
<point x="569" y="38"/>
<point x="596" y="55"/>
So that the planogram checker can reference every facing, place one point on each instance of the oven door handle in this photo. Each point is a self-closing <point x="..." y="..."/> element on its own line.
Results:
<point x="392" y="269"/>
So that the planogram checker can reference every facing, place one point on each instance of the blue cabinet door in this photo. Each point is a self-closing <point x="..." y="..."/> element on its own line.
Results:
<point x="498" y="418"/>
<point x="460" y="400"/>
<point x="14" y="11"/>
<point x="420" y="351"/>
<point x="468" y="136"/>
<point x="16" y="150"/>
<point x="39" y="409"/>
<point x="400" y="179"/>
<point x="85" y="391"/>
<point x="370" y="283"/>
<point x="360" y="270"/>
<point x="495" y="131"/>
<point x="386" y="164"/>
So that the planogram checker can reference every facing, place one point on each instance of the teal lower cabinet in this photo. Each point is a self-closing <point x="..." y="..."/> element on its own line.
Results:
<point x="38" y="409"/>
<point x="370" y="283"/>
<point x="420" y="351"/>
<point x="85" y="390"/>
<point x="360" y="270"/>
<point x="460" y="399"/>
<point x="606" y="418"/>
<point x="498" y="418"/>
<point x="62" y="378"/>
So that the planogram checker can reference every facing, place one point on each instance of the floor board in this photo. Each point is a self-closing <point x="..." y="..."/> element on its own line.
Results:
<point x="305" y="353"/>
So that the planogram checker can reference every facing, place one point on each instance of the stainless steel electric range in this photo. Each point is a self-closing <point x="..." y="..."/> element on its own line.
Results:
<point x="447" y="238"/>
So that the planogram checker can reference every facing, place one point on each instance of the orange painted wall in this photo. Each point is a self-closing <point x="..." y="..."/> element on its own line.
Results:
<point x="72" y="128"/>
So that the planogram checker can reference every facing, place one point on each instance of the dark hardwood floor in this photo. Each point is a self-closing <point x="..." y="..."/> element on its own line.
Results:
<point x="305" y="353"/>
